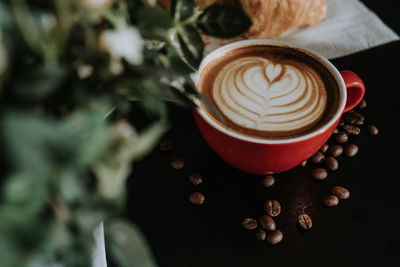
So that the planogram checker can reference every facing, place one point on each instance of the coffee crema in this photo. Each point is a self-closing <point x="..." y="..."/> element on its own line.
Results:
<point x="269" y="91"/>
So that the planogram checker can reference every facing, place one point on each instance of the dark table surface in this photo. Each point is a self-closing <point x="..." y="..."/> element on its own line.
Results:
<point x="363" y="230"/>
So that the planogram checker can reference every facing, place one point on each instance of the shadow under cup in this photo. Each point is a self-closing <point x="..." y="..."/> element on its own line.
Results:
<point x="268" y="155"/>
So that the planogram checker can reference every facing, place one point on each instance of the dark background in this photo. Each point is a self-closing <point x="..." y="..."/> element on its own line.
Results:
<point x="363" y="230"/>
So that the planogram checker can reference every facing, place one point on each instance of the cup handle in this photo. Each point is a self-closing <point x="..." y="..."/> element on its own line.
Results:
<point x="355" y="89"/>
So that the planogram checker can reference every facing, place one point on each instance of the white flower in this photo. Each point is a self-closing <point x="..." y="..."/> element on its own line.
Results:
<point x="84" y="71"/>
<point x="49" y="22"/>
<point x="3" y="58"/>
<point x="123" y="42"/>
<point x="97" y="4"/>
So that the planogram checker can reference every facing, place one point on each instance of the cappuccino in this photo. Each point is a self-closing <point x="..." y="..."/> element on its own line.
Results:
<point x="269" y="91"/>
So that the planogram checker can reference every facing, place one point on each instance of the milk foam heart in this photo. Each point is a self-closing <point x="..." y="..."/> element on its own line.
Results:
<point x="260" y="94"/>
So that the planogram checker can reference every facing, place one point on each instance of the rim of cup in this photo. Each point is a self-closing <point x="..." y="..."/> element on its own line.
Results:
<point x="221" y="51"/>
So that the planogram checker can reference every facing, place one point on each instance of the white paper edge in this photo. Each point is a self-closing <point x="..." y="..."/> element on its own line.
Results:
<point x="99" y="250"/>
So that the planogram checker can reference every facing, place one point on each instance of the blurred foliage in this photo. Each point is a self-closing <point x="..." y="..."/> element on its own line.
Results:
<point x="70" y="73"/>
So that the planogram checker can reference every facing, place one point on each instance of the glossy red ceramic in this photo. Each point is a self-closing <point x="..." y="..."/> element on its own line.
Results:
<point x="260" y="156"/>
<point x="269" y="158"/>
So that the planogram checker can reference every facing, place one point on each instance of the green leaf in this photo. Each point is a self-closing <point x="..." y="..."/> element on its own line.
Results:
<point x="183" y="9"/>
<point x="138" y="146"/>
<point x="154" y="22"/>
<point x="224" y="21"/>
<point x="175" y="63"/>
<point x="113" y="170"/>
<point x="20" y="189"/>
<point x="177" y="97"/>
<point x="42" y="146"/>
<point x="147" y="92"/>
<point x="37" y="83"/>
<point x="190" y="45"/>
<point x="70" y="186"/>
<point x="5" y="15"/>
<point x="126" y="245"/>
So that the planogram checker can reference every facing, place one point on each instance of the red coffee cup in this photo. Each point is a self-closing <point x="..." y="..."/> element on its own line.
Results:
<point x="268" y="156"/>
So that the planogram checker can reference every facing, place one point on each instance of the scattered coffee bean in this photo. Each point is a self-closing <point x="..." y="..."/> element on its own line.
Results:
<point x="341" y="192"/>
<point x="363" y="104"/>
<point x="195" y="178"/>
<point x="372" y="129"/>
<point x="275" y="237"/>
<point x="197" y="198"/>
<point x="341" y="137"/>
<point x="165" y="146"/>
<point x="351" y="150"/>
<point x="249" y="223"/>
<point x="354" y="118"/>
<point x="341" y="123"/>
<point x="177" y="163"/>
<point x="331" y="163"/>
<point x="317" y="158"/>
<point x="304" y="221"/>
<point x="272" y="208"/>
<point x="267" y="181"/>
<point x="324" y="148"/>
<point x="351" y="129"/>
<point x="360" y="119"/>
<point x="336" y="131"/>
<point x="303" y="164"/>
<point x="261" y="235"/>
<point x="331" y="201"/>
<point x="319" y="174"/>
<point x="267" y="222"/>
<point x="336" y="150"/>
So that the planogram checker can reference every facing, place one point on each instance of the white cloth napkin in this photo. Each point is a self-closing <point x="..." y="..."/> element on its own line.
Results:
<point x="348" y="27"/>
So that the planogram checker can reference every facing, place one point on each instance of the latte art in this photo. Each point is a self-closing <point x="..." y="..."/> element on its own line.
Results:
<point x="257" y="93"/>
<point x="269" y="92"/>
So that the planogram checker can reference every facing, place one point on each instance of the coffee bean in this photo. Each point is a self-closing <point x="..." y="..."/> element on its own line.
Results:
<point x="267" y="181"/>
<point x="261" y="235"/>
<point x="267" y="222"/>
<point x="165" y="146"/>
<point x="351" y="150"/>
<point x="360" y="119"/>
<point x="341" y="192"/>
<point x="249" y="223"/>
<point x="195" y="178"/>
<point x="341" y="123"/>
<point x="336" y="150"/>
<point x="354" y="118"/>
<point x="177" y="163"/>
<point x="331" y="163"/>
<point x="324" y="148"/>
<point x="341" y="137"/>
<point x="303" y="164"/>
<point x="363" y="104"/>
<point x="272" y="208"/>
<point x="304" y="221"/>
<point x="372" y="129"/>
<point x="197" y="198"/>
<point x="331" y="201"/>
<point x="317" y="158"/>
<point x="336" y="131"/>
<point x="275" y="237"/>
<point x="351" y="129"/>
<point x="319" y="174"/>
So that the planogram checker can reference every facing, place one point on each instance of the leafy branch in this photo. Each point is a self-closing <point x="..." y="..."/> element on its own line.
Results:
<point x="72" y="75"/>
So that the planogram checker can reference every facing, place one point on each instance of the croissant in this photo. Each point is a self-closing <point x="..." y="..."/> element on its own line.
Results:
<point x="272" y="17"/>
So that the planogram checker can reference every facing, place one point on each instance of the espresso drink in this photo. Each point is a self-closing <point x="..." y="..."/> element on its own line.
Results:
<point x="268" y="91"/>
